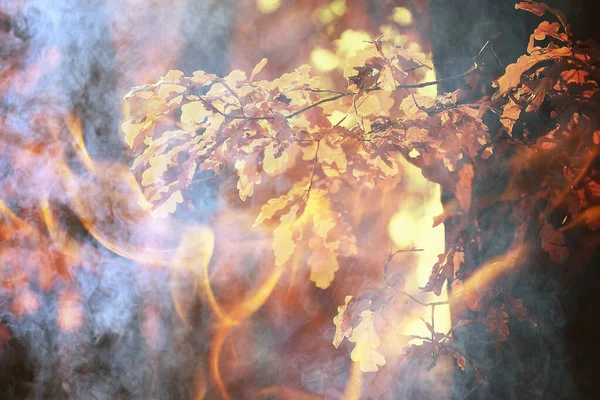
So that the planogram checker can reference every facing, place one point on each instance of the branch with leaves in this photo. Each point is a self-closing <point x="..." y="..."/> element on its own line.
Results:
<point x="329" y="138"/>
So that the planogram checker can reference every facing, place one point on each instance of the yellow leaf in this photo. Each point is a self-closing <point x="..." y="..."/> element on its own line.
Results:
<point x="133" y="128"/>
<point x="338" y="320"/>
<point x="165" y="90"/>
<point x="388" y="170"/>
<point x="308" y="152"/>
<point x="259" y="67"/>
<point x="368" y="104"/>
<point x="235" y="76"/>
<point x="359" y="60"/>
<point x="367" y="341"/>
<point x="201" y="78"/>
<point x="158" y="166"/>
<point x="173" y="76"/>
<point x="248" y="176"/>
<point x="194" y="112"/>
<point x="283" y="243"/>
<point x="330" y="155"/>
<point x="323" y="263"/>
<point x="269" y="209"/>
<point x="169" y="206"/>
<point x="272" y="165"/>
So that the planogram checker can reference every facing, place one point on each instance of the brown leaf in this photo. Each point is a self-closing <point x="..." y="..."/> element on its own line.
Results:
<point x="460" y="359"/>
<point x="464" y="186"/>
<point x="496" y="322"/>
<point x="517" y="310"/>
<point x="540" y="9"/>
<point x="553" y="242"/>
<point x="510" y="115"/>
<point x="514" y="72"/>
<point x="546" y="29"/>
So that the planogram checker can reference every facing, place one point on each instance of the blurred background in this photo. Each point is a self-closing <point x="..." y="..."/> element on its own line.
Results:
<point x="94" y="303"/>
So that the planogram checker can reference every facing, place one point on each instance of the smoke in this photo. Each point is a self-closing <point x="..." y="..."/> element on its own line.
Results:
<point x="95" y="324"/>
<point x="84" y="322"/>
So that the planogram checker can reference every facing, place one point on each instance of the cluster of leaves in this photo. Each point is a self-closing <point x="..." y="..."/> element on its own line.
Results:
<point x="321" y="143"/>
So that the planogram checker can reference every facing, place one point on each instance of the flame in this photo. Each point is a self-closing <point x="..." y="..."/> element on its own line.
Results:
<point x="19" y="224"/>
<point x="280" y="392"/>
<point x="354" y="385"/>
<point x="76" y="129"/>
<point x="489" y="272"/>
<point x="93" y="198"/>
<point x="190" y="262"/>
<point x="66" y="245"/>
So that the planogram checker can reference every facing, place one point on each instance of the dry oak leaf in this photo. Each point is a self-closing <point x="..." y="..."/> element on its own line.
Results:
<point x="511" y="112"/>
<point x="553" y="242"/>
<point x="589" y="216"/>
<point x="249" y="175"/>
<point x="285" y="236"/>
<point x="464" y="186"/>
<point x="367" y="342"/>
<point x="496" y="322"/>
<point x="540" y="9"/>
<point x="277" y="204"/>
<point x="258" y="68"/>
<point x="168" y="206"/>
<point x="542" y="31"/>
<point x="512" y="76"/>
<point x="342" y="328"/>
<point x="323" y="263"/>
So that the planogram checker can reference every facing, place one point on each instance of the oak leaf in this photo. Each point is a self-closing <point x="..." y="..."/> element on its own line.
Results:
<point x="367" y="342"/>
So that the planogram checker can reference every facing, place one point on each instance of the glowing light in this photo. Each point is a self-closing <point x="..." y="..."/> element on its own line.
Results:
<point x="429" y="91"/>
<point x="267" y="6"/>
<point x="354" y="385"/>
<point x="70" y="312"/>
<point x="412" y="227"/>
<point x="402" y="16"/>
<point x="215" y="355"/>
<point x="201" y="384"/>
<point x="192" y="257"/>
<point x="338" y="7"/>
<point x="286" y="393"/>
<point x="350" y="42"/>
<point x="323" y="59"/>
<point x="402" y="229"/>
<point x="325" y="15"/>
<point x="493" y="269"/>
<point x="25" y="302"/>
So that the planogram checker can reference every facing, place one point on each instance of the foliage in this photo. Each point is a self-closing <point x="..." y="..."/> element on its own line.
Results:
<point x="540" y="129"/>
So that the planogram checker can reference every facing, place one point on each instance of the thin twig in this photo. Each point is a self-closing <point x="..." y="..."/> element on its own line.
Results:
<point x="392" y="255"/>
<point x="312" y="174"/>
<point x="438" y="81"/>
<point x="326" y="100"/>
<point x="437" y="303"/>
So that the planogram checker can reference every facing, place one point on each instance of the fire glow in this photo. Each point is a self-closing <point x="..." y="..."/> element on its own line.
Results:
<point x="73" y="223"/>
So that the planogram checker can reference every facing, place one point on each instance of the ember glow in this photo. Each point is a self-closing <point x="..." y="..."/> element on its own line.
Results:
<point x="113" y="300"/>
